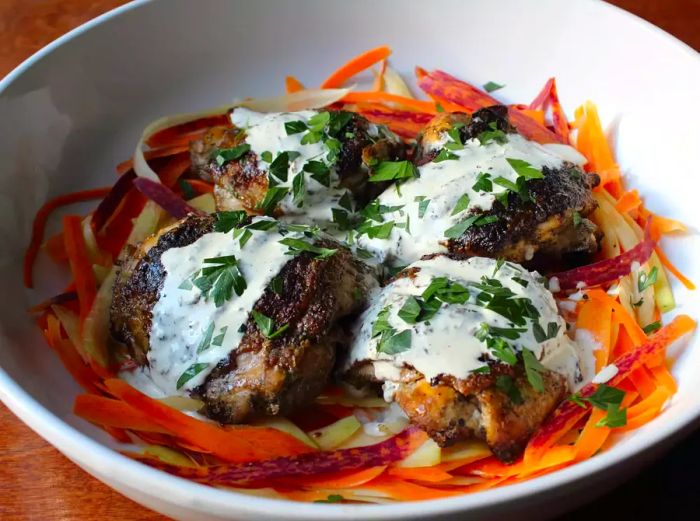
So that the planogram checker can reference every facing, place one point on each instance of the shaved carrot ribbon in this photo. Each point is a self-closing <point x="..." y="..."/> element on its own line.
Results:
<point x="42" y="217"/>
<point x="80" y="264"/>
<point x="235" y="445"/>
<point x="356" y="65"/>
<point x="595" y="316"/>
<point x="567" y="414"/>
<point x="293" y="85"/>
<point x="549" y="98"/>
<point x="629" y="201"/>
<point x="385" y="97"/>
<point x="108" y="412"/>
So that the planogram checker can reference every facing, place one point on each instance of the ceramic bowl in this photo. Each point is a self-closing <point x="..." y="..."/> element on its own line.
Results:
<point x="76" y="108"/>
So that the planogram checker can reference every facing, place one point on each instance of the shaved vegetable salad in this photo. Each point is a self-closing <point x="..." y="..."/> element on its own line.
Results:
<point x="344" y="448"/>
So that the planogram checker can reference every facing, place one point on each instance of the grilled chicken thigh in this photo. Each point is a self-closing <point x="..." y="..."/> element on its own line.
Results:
<point x="468" y="349"/>
<point x="333" y="151"/>
<point x="483" y="190"/>
<point x="282" y="350"/>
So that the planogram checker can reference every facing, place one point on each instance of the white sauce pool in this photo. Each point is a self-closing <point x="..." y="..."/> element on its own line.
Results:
<point x="447" y="343"/>
<point x="443" y="184"/>
<point x="181" y="318"/>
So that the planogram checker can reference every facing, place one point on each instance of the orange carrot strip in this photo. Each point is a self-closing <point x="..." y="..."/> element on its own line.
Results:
<point x="56" y="248"/>
<point x="592" y="437"/>
<point x="342" y="479"/>
<point x="385" y="97"/>
<point x="629" y="201"/>
<point x="378" y="84"/>
<point x="537" y="115"/>
<point x="182" y="133"/>
<point x="595" y="316"/>
<point x="356" y="65"/>
<point x="114" y="413"/>
<point x="69" y="356"/>
<point x="643" y="381"/>
<point x="80" y="264"/>
<point x="429" y="474"/>
<point x="41" y="218"/>
<point x="626" y="320"/>
<point x="174" y="168"/>
<point x="664" y="378"/>
<point x="235" y="445"/>
<point x="118" y="434"/>
<point x="293" y="85"/>
<point x="655" y="401"/>
<point x="567" y="414"/>
<point x="676" y="272"/>
<point x="404" y="490"/>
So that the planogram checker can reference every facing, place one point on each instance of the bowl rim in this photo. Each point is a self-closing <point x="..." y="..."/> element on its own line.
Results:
<point x="86" y="451"/>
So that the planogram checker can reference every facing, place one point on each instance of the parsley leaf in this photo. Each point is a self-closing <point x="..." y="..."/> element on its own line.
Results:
<point x="224" y="155"/>
<point x="616" y="417"/>
<point x="456" y="231"/>
<point x="462" y="204"/>
<point x="298" y="189"/>
<point x="277" y="285"/>
<point x="394" y="344"/>
<point x="267" y="326"/>
<point x="205" y="343"/>
<point x="650" y="328"/>
<point x="422" y="205"/>
<point x="483" y="183"/>
<point x="492" y="134"/>
<point x="295" y="127"/>
<point x="506" y="385"/>
<point x="541" y="335"/>
<point x="220" y="277"/>
<point x="576" y="218"/>
<point x="533" y="369"/>
<point x="605" y="396"/>
<point x="227" y="221"/>
<point x="645" y="280"/>
<point x="219" y="339"/>
<point x="319" y="171"/>
<point x="190" y="373"/>
<point x="524" y="169"/>
<point x="297" y="246"/>
<point x="273" y="196"/>
<point x="444" y="155"/>
<point x="491" y="86"/>
<point x="393" y="170"/>
<point x="187" y="190"/>
<point x="332" y="498"/>
<point x="280" y="166"/>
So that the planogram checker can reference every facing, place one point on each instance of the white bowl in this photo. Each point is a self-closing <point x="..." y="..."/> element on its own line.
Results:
<point x="76" y="108"/>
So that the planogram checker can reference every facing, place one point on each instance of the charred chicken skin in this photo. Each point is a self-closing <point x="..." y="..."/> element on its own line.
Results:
<point x="349" y="146"/>
<point x="262" y="374"/>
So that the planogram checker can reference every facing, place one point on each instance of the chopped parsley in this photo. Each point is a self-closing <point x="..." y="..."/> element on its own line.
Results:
<point x="297" y="246"/>
<point x="462" y="204"/>
<point x="541" y="335"/>
<point x="576" y="218"/>
<point x="456" y="231"/>
<point x="444" y="155"/>
<point x="218" y="340"/>
<point x="393" y="171"/>
<point x="608" y="399"/>
<point x="295" y="127"/>
<point x="422" y="205"/>
<point x="298" y="189"/>
<point x="645" y="280"/>
<point x="272" y="198"/>
<point x="650" y="328"/>
<point x="524" y="169"/>
<point x="224" y="155"/>
<point x="332" y="498"/>
<point x="277" y="285"/>
<point x="616" y="417"/>
<point x="228" y="220"/>
<point x="220" y="278"/>
<point x="483" y="183"/>
<point x="492" y="134"/>
<point x="491" y="86"/>
<point x="390" y="342"/>
<point x="190" y="373"/>
<point x="533" y="370"/>
<point x="506" y="385"/>
<point x="187" y="190"/>
<point x="205" y="343"/>
<point x="267" y="326"/>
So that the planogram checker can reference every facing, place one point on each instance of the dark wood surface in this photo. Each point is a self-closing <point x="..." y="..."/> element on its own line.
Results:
<point x="38" y="483"/>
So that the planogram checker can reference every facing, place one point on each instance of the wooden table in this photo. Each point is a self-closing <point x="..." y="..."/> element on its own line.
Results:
<point x="37" y="482"/>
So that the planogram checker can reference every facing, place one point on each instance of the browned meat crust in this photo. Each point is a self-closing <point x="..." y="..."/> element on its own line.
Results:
<point x="275" y="376"/>
<point x="452" y="410"/>
<point x="140" y="280"/>
<point x="240" y="184"/>
<point x="262" y="376"/>
<point x="544" y="226"/>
